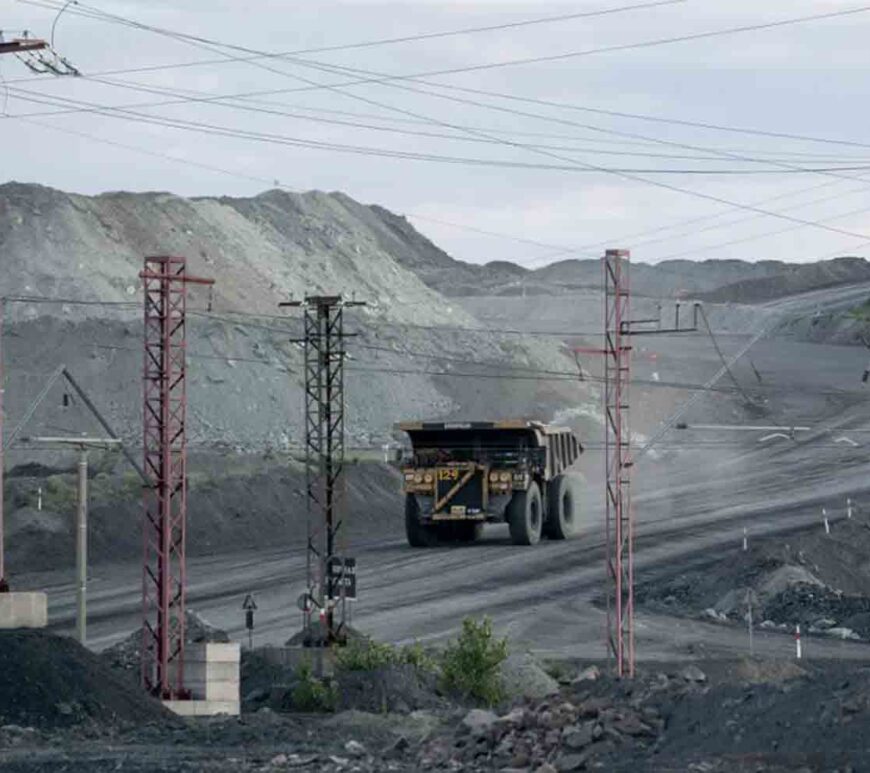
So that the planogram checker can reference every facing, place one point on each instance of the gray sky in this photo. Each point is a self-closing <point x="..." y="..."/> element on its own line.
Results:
<point x="807" y="79"/>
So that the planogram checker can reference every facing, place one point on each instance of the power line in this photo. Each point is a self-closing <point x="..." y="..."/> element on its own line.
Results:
<point x="102" y="16"/>
<point x="84" y="10"/>
<point x="574" y="166"/>
<point x="324" y="86"/>
<point x="510" y="237"/>
<point x="195" y="40"/>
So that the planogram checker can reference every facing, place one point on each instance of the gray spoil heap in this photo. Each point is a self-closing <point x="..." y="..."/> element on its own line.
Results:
<point x="245" y="375"/>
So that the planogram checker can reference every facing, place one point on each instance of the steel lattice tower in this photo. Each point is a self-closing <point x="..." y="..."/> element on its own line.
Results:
<point x="324" y="453"/>
<point x="165" y="462"/>
<point x="617" y="444"/>
<point x="324" y="456"/>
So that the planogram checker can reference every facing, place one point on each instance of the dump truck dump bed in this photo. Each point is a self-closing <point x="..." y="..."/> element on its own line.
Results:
<point x="495" y="442"/>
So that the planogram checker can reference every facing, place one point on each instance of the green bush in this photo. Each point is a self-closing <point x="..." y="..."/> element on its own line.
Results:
<point x="364" y="655"/>
<point x="470" y="665"/>
<point x="414" y="655"/>
<point x="368" y="655"/>
<point x="311" y="693"/>
<point x="59" y="494"/>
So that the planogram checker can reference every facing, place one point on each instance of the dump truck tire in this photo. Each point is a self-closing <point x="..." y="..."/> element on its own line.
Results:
<point x="525" y="516"/>
<point x="563" y="507"/>
<point x="419" y="535"/>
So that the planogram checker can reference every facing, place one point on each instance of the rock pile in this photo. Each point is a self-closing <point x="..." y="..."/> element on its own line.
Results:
<point x="590" y="723"/>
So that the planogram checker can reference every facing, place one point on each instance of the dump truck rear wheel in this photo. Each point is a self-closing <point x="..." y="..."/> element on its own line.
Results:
<point x="419" y="535"/>
<point x="564" y="500"/>
<point x="525" y="516"/>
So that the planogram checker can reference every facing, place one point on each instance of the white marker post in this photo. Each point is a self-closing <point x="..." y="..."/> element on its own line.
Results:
<point x="797" y="641"/>
<point x="849" y="509"/>
<point x="745" y="540"/>
<point x="749" y="620"/>
<point x="827" y="523"/>
<point x="39" y="499"/>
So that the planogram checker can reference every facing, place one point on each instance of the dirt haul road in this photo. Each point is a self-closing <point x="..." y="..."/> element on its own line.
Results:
<point x="688" y="503"/>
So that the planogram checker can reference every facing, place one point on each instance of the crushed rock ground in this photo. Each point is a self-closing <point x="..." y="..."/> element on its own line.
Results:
<point x="713" y="715"/>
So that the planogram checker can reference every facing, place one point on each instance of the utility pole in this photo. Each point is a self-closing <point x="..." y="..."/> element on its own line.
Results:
<point x="164" y="414"/>
<point x="38" y="56"/>
<point x="4" y="583"/>
<point x="82" y="444"/>
<point x="324" y="464"/>
<point x="619" y="516"/>
<point x="619" y="523"/>
<point x="60" y="373"/>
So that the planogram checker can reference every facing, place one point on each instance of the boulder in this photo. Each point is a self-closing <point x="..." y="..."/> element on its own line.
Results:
<point x="479" y="721"/>
<point x="588" y="674"/>
<point x="692" y="673"/>
<point x="523" y="677"/>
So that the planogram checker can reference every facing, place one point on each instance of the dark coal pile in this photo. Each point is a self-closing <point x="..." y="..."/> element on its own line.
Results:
<point x="47" y="681"/>
<point x="265" y="684"/>
<point x="809" y="578"/>
<point x="393" y="688"/>
<point x="819" y="719"/>
<point x="820" y="608"/>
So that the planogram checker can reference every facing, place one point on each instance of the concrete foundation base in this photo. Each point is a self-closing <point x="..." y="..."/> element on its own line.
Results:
<point x="199" y="708"/>
<point x="211" y="673"/>
<point x="196" y="708"/>
<point x="23" y="610"/>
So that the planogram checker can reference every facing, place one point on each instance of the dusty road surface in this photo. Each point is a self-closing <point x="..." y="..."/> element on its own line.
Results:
<point x="693" y="497"/>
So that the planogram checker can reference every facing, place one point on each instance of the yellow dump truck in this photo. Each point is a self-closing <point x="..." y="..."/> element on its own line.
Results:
<point x="460" y="475"/>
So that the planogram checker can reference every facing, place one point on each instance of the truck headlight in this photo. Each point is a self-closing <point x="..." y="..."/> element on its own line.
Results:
<point x="504" y="477"/>
<point x="418" y="477"/>
<point x="428" y="477"/>
<point x="493" y="477"/>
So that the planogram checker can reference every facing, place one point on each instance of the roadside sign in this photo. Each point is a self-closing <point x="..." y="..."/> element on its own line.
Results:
<point x="249" y="605"/>
<point x="341" y="576"/>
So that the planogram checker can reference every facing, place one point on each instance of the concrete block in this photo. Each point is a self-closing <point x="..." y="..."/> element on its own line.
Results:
<point x="197" y="671"/>
<point x="214" y="690"/>
<point x="211" y="672"/>
<point x="202" y="708"/>
<point x="23" y="610"/>
<point x="212" y="652"/>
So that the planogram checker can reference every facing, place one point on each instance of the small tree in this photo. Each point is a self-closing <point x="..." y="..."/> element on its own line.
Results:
<point x="311" y="693"/>
<point x="470" y="665"/>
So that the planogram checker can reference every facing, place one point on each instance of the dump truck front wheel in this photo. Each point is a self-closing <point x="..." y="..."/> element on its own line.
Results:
<point x="525" y="516"/>
<point x="419" y="535"/>
<point x="563" y="507"/>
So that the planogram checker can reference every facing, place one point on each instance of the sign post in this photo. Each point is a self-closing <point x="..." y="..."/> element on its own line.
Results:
<point x="249" y="605"/>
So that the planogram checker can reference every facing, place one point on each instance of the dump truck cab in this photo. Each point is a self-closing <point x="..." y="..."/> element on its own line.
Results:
<point x="459" y="475"/>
